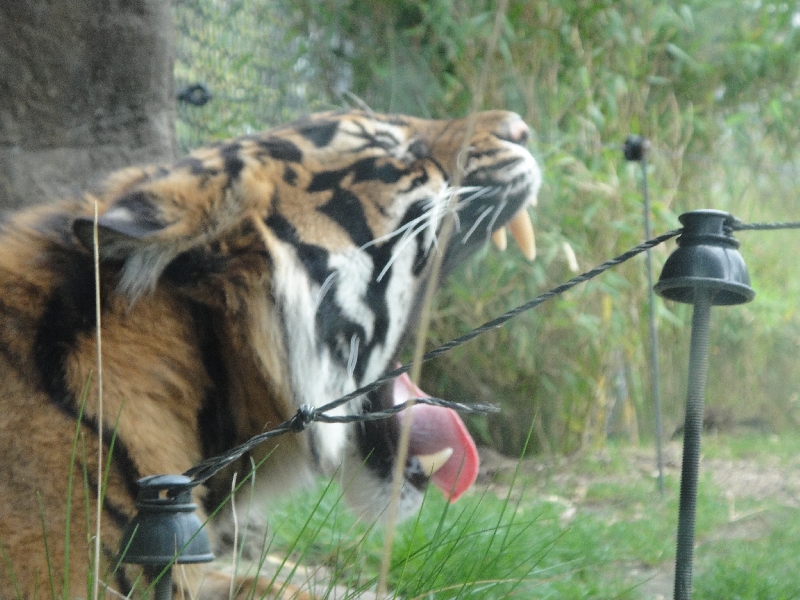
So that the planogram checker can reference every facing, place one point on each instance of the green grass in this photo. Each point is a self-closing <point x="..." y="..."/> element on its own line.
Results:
<point x="592" y="526"/>
<point x="753" y="566"/>
<point x="578" y="529"/>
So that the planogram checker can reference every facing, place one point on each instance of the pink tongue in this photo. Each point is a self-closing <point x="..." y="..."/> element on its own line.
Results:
<point x="435" y="428"/>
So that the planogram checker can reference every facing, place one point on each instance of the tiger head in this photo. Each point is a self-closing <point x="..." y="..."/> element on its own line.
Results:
<point x="310" y="247"/>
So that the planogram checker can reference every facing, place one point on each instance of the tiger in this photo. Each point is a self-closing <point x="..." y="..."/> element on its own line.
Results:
<point x="244" y="281"/>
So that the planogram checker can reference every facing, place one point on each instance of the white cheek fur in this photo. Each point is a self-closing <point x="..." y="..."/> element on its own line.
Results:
<point x="318" y="377"/>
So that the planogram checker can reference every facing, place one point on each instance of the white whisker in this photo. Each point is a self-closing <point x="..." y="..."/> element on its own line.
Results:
<point x="433" y="224"/>
<point x="444" y="202"/>
<point x="431" y="218"/>
<point x="324" y="289"/>
<point x="500" y="207"/>
<point x="479" y="192"/>
<point x="394" y="233"/>
<point x="400" y="247"/>
<point x="477" y="222"/>
<point x="351" y="361"/>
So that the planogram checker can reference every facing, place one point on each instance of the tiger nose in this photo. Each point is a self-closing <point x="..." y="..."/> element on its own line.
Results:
<point x="514" y="129"/>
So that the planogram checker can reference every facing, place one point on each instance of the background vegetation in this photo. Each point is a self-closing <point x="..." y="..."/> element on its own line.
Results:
<point x="711" y="84"/>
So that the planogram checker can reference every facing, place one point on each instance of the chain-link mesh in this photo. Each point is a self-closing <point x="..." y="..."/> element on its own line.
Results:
<point x="246" y="54"/>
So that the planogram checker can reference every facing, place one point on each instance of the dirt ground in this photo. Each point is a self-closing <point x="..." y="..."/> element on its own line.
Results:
<point x="760" y="480"/>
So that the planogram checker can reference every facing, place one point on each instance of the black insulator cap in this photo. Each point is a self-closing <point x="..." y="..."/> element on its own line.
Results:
<point x="634" y="148"/>
<point x="707" y="257"/>
<point x="166" y="529"/>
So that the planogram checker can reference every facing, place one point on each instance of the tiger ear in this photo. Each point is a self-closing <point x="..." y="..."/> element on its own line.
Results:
<point x="123" y="229"/>
<point x="131" y="231"/>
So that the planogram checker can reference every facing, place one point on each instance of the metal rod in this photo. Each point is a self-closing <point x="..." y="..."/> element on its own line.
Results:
<point x="655" y="376"/>
<point x="162" y="590"/>
<point x="692" y="430"/>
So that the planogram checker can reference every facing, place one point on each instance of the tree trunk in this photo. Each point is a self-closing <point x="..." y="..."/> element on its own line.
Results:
<point x="85" y="88"/>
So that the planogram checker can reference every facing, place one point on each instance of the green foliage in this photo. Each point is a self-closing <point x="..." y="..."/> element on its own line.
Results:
<point x="712" y="86"/>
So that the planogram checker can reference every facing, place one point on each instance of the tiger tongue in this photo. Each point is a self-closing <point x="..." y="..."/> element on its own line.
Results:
<point x="438" y="435"/>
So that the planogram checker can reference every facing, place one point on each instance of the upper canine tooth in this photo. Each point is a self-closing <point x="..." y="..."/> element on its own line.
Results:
<point x="499" y="239"/>
<point x="433" y="462"/>
<point x="522" y="231"/>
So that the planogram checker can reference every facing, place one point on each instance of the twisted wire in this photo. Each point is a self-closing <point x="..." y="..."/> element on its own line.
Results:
<point x="736" y="225"/>
<point x="504" y="318"/>
<point x="306" y="415"/>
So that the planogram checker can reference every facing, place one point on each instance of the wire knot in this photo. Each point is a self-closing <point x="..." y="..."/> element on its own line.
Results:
<point x="304" y="416"/>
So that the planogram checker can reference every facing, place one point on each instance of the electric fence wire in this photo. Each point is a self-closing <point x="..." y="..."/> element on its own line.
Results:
<point x="737" y="225"/>
<point x="307" y="414"/>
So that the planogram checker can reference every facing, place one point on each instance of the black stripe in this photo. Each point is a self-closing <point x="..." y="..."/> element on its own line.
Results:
<point x="146" y="215"/>
<point x="116" y="514"/>
<point x="70" y="311"/>
<point x="193" y="265"/>
<point x="197" y="168"/>
<point x="486" y="153"/>
<point x="194" y="165"/>
<point x="336" y="330"/>
<point x="326" y="180"/>
<point x="57" y="226"/>
<point x="233" y="163"/>
<point x="289" y="175"/>
<point x="372" y="169"/>
<point x="415" y="211"/>
<point x="376" y="292"/>
<point x="320" y="133"/>
<point x="488" y="175"/>
<point x="120" y="457"/>
<point x="346" y="209"/>
<point x="215" y="421"/>
<point x="366" y="169"/>
<point x="280" y="149"/>
<point x="314" y="257"/>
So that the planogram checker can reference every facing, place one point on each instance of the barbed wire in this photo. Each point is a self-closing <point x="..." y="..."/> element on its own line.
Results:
<point x="308" y="414"/>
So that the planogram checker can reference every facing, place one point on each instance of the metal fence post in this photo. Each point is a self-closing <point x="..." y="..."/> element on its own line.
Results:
<point x="635" y="149"/>
<point x="705" y="270"/>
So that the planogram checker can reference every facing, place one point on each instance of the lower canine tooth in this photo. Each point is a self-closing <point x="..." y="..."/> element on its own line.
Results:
<point x="522" y="231"/>
<point x="433" y="462"/>
<point x="499" y="239"/>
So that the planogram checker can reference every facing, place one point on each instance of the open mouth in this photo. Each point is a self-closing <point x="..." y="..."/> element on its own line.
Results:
<point x="443" y="449"/>
<point x="502" y="181"/>
<point x="495" y="205"/>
